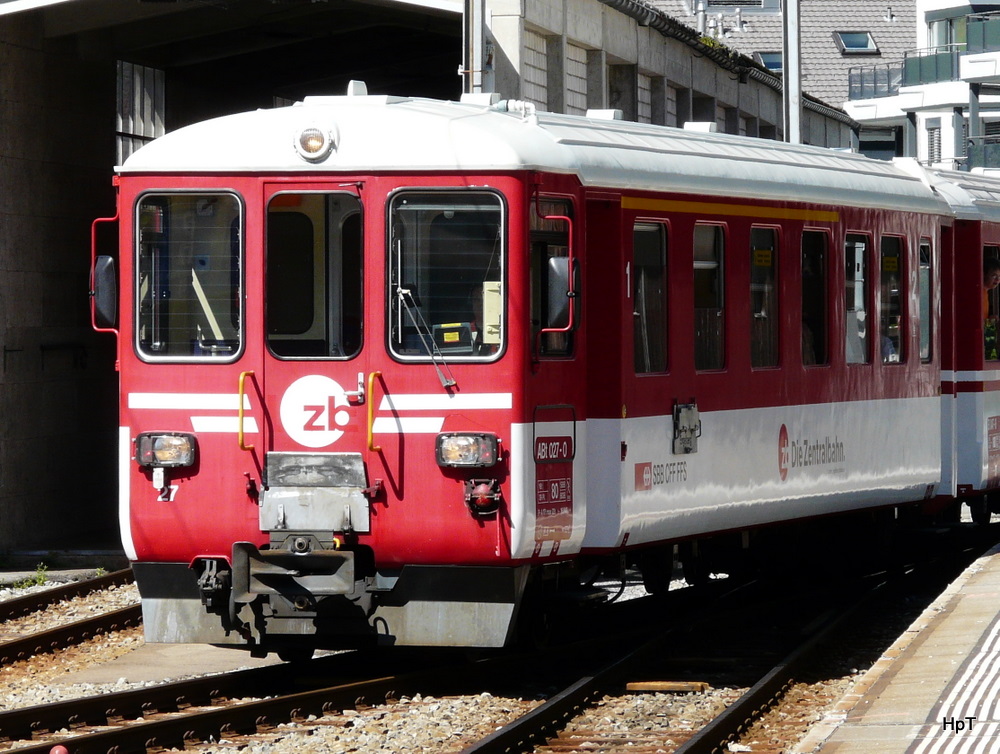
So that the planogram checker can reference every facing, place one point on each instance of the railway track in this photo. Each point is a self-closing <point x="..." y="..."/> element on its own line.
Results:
<point x="581" y="683"/>
<point x="21" y="648"/>
<point x="584" y="717"/>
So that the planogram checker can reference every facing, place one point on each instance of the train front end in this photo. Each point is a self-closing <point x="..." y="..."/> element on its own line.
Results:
<point x="318" y="392"/>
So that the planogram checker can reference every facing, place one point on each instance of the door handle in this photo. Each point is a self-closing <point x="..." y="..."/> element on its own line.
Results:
<point x="239" y="425"/>
<point x="371" y="412"/>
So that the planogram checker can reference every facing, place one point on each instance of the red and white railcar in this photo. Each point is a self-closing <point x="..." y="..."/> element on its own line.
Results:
<point x="386" y="362"/>
<point x="971" y="352"/>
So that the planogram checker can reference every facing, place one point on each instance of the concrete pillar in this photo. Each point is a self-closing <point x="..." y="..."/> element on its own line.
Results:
<point x="910" y="136"/>
<point x="597" y="80"/>
<point x="623" y="91"/>
<point x="658" y="101"/>
<point x="685" y="107"/>
<point x="555" y="54"/>
<point x="958" y="132"/>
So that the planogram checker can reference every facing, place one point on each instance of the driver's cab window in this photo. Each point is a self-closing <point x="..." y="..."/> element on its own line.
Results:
<point x="189" y="279"/>
<point x="446" y="275"/>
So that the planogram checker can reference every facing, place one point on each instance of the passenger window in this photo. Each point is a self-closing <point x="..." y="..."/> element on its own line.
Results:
<point x="892" y="315"/>
<point x="763" y="297"/>
<point x="709" y="312"/>
<point x="189" y="277"/>
<point x="991" y="267"/>
<point x="649" y="297"/>
<point x="924" y="281"/>
<point x="814" y="305"/>
<point x="446" y="267"/>
<point x="549" y="239"/>
<point x="856" y="298"/>
<point x="314" y="276"/>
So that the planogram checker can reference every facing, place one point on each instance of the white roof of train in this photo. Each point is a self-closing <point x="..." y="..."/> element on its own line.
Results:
<point x="971" y="196"/>
<point x="374" y="134"/>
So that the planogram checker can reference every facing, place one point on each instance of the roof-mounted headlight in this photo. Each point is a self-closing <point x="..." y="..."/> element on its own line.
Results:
<point x="165" y="449"/>
<point x="475" y="449"/>
<point x="314" y="144"/>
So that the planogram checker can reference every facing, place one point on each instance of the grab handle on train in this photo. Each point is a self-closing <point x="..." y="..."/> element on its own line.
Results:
<point x="239" y="426"/>
<point x="371" y="413"/>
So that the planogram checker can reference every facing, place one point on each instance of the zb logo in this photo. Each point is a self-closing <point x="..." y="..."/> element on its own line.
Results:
<point x="313" y="410"/>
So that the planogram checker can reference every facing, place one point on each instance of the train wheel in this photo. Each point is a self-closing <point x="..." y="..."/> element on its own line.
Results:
<point x="979" y="509"/>
<point x="657" y="569"/>
<point x="694" y="564"/>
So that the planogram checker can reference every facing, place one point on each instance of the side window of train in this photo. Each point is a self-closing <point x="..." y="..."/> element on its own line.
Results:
<point x="550" y="278"/>
<point x="446" y="274"/>
<point x="314" y="275"/>
<point x="189" y="277"/>
<point x="814" y="297"/>
<point x="649" y="297"/>
<point x="991" y="303"/>
<point x="764" y="297"/>
<point x="856" y="348"/>
<point x="891" y="301"/>
<point x="709" y="311"/>
<point x="925" y="281"/>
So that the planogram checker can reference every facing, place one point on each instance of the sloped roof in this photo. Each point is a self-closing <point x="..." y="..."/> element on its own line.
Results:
<point x="824" y="68"/>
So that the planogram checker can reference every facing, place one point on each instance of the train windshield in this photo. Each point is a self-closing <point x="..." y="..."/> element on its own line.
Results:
<point x="446" y="275"/>
<point x="188" y="276"/>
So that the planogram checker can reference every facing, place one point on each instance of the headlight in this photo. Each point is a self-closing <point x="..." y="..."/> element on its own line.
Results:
<point x="466" y="449"/>
<point x="315" y="144"/>
<point x="164" y="449"/>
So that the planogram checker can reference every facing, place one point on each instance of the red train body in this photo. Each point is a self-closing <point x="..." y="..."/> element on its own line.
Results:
<point x="386" y="364"/>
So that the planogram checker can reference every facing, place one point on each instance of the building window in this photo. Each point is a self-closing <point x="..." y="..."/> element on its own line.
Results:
<point x="933" y="140"/>
<point x="535" y="70"/>
<point x="645" y="98"/>
<point x="855" y="42"/>
<point x="576" y="80"/>
<point x="772" y="61"/>
<point x="141" y="103"/>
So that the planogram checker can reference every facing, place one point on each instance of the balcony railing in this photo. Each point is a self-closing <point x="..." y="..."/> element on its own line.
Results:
<point x="932" y="65"/>
<point x="870" y="81"/>
<point x="982" y="152"/>
<point x="983" y="33"/>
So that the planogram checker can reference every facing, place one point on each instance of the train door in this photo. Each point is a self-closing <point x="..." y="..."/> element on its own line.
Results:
<point x="557" y="381"/>
<point x="314" y="374"/>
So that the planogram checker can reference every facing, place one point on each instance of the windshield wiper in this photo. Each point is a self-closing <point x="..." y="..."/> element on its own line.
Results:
<point x="437" y="358"/>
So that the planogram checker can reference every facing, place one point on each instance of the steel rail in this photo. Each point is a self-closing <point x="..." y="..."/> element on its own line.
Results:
<point x="69" y="634"/>
<point x="23" y="723"/>
<point x="246" y="717"/>
<point x="30" y="603"/>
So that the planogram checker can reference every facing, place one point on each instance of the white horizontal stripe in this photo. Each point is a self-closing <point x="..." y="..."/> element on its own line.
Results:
<point x="442" y="402"/>
<point x="188" y="401"/>
<point x="388" y="425"/>
<point x="229" y="424"/>
<point x="987" y="375"/>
